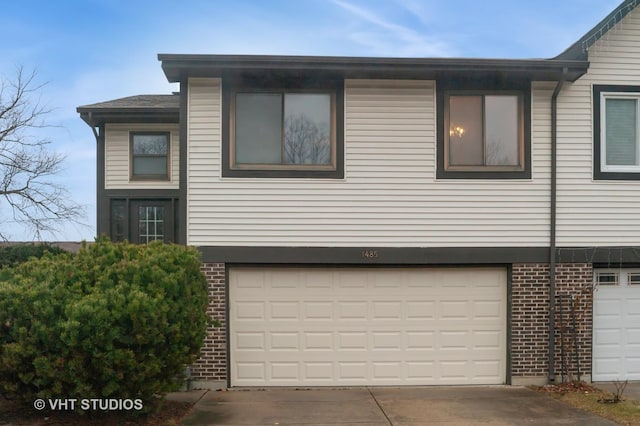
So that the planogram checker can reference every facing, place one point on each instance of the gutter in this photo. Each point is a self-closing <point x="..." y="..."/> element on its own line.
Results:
<point x="552" y="225"/>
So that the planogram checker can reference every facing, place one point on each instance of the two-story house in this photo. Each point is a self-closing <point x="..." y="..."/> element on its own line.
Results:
<point x="395" y="221"/>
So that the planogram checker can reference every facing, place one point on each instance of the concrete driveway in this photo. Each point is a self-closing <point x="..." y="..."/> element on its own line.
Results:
<point x="500" y="405"/>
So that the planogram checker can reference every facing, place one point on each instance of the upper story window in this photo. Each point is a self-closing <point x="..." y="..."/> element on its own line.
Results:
<point x="149" y="155"/>
<point x="483" y="133"/>
<point x="616" y="132"/>
<point x="283" y="132"/>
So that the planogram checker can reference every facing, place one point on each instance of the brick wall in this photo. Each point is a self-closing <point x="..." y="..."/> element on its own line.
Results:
<point x="530" y="318"/>
<point x="212" y="364"/>
<point x="574" y="279"/>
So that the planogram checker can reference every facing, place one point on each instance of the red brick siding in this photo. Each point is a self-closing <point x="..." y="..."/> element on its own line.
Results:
<point x="530" y="316"/>
<point x="574" y="279"/>
<point x="212" y="364"/>
<point x="529" y="319"/>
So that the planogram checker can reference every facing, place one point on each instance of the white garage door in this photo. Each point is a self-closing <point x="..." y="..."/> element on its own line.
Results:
<point x="367" y="326"/>
<point x="616" y="325"/>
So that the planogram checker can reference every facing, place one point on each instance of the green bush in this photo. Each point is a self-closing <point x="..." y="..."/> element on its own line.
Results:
<point x="13" y="254"/>
<point x="114" y="321"/>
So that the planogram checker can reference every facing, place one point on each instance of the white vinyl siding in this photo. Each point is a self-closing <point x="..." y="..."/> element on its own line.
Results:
<point x="117" y="156"/>
<point x="389" y="196"/>
<point x="596" y="212"/>
<point x="367" y="326"/>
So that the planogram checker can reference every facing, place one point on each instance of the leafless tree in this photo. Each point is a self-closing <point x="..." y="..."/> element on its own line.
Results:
<point x="28" y="194"/>
<point x="305" y="141"/>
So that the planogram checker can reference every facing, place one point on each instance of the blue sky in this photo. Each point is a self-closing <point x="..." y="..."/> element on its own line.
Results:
<point x="95" y="50"/>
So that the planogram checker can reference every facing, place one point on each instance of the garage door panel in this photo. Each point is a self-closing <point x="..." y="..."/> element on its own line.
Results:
<point x="420" y="310"/>
<point x="284" y="310"/>
<point x="285" y="341"/>
<point x="321" y="310"/>
<point x="487" y="310"/>
<point x="353" y="327"/>
<point x="249" y="310"/>
<point x="352" y="310"/>
<point x="633" y="303"/>
<point x="318" y="341"/>
<point x="616" y="332"/>
<point x="633" y="338"/>
<point x="250" y="341"/>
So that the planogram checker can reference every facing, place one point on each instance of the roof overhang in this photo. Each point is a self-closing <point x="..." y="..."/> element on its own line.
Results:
<point x="181" y="66"/>
<point x="98" y="116"/>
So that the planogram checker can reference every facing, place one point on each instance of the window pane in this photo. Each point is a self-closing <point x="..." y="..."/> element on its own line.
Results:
<point x="258" y="128"/>
<point x="465" y="131"/>
<point x="634" y="279"/>
<point x="118" y="220"/>
<point x="150" y="223"/>
<point x="607" y="278"/>
<point x="501" y="132"/>
<point x="621" y="132"/>
<point x="150" y="144"/>
<point x="307" y="128"/>
<point x="150" y="166"/>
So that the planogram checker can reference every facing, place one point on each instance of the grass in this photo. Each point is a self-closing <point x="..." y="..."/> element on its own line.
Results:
<point x="588" y="398"/>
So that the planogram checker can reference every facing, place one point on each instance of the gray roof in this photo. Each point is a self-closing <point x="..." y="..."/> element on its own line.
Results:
<point x="139" y="102"/>
<point x="578" y="50"/>
<point x="179" y="66"/>
<point x="132" y="109"/>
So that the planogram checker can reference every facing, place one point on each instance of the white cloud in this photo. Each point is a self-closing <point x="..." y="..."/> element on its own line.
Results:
<point x="417" y="9"/>
<point x="387" y="38"/>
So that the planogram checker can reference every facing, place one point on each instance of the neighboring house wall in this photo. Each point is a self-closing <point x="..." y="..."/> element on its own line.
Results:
<point x="596" y="212"/>
<point x="117" y="158"/>
<point x="389" y="197"/>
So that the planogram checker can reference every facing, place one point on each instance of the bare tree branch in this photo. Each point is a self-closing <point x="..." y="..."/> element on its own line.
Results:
<point x="35" y="201"/>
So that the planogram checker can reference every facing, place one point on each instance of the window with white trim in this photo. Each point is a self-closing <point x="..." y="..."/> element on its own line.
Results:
<point x="616" y="132"/>
<point x="619" y="117"/>
<point x="616" y="277"/>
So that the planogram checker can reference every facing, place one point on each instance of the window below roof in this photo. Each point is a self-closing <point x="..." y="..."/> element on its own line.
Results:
<point x="616" y="134"/>
<point x="149" y="155"/>
<point x="484" y="130"/>
<point x="288" y="130"/>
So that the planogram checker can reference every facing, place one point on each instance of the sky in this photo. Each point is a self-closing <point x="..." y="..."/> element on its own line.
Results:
<point x="88" y="51"/>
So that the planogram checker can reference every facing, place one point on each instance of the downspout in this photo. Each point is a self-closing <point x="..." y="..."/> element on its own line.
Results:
<point x="552" y="226"/>
<point x="92" y="125"/>
<point x="101" y="204"/>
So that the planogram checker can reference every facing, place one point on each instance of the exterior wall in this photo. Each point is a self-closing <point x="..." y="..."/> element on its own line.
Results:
<point x="117" y="156"/>
<point x="574" y="280"/>
<point x="210" y="370"/>
<point x="530" y="316"/>
<point x="389" y="197"/>
<point x="596" y="213"/>
<point x="529" y="323"/>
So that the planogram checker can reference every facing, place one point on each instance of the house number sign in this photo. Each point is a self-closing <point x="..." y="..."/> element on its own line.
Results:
<point x="369" y="254"/>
